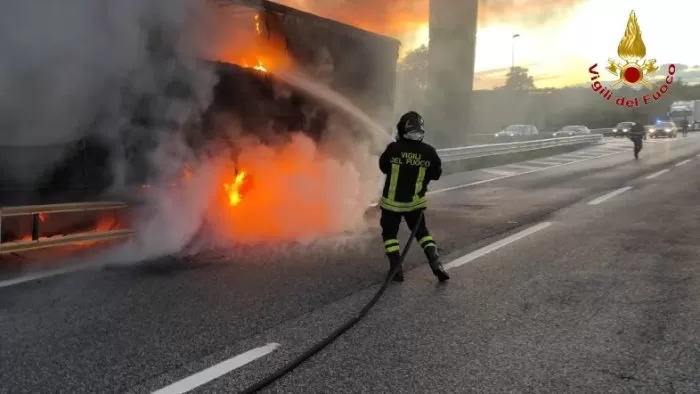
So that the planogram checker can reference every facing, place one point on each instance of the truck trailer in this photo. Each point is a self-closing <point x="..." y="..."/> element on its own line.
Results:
<point x="685" y="110"/>
<point x="358" y="64"/>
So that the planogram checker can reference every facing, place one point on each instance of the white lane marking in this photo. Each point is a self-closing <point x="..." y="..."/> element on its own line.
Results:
<point x="496" y="245"/>
<point x="682" y="163"/>
<point x="546" y="163"/>
<point x="40" y="275"/>
<point x="580" y="156"/>
<point x="218" y="370"/>
<point x="698" y="155"/>
<point x="599" y="152"/>
<point x="574" y="156"/>
<point x="557" y="158"/>
<point x="654" y="175"/>
<point x="498" y="172"/>
<point x="523" y="167"/>
<point x="481" y="182"/>
<point x="618" y="146"/>
<point x="608" y="149"/>
<point x="617" y="143"/>
<point x="610" y="195"/>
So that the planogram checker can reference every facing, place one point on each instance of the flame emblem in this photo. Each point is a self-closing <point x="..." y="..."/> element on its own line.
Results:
<point x="632" y="51"/>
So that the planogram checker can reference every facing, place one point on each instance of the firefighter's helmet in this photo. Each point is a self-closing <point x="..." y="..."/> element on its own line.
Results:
<point x="410" y="126"/>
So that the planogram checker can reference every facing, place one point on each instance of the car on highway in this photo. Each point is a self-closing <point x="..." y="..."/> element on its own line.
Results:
<point x="663" y="129"/>
<point x="517" y="130"/>
<point x="622" y="129"/>
<point x="568" y="131"/>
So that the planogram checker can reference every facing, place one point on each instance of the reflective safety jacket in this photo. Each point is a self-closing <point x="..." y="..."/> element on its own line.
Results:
<point x="409" y="167"/>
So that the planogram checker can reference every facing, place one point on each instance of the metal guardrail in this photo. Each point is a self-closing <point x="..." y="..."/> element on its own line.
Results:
<point x="473" y="151"/>
<point x="593" y="131"/>
<point x="40" y="243"/>
<point x="37" y="242"/>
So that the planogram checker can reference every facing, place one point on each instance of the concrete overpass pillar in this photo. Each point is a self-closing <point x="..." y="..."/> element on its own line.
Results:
<point x="452" y="49"/>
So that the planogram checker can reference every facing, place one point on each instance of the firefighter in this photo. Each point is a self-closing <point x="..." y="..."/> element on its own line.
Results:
<point x="636" y="134"/>
<point x="409" y="164"/>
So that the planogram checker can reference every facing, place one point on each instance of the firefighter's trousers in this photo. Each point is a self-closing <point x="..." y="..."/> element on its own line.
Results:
<point x="390" y="222"/>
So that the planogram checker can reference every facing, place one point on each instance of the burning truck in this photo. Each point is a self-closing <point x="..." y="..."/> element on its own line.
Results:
<point x="352" y="62"/>
<point x="355" y="63"/>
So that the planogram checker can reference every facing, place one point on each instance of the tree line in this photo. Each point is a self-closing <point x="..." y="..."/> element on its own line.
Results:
<point x="518" y="100"/>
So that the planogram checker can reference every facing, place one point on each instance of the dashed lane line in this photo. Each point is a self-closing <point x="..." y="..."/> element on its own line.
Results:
<point x="557" y="159"/>
<point x="523" y="167"/>
<point x="205" y="376"/>
<point x="481" y="182"/>
<point x="496" y="245"/>
<point x="656" y="174"/>
<point x="683" y="162"/>
<point x="498" y="172"/>
<point x="581" y="156"/>
<point x="576" y="155"/>
<point x="608" y="150"/>
<point x="550" y="164"/>
<point x="610" y="195"/>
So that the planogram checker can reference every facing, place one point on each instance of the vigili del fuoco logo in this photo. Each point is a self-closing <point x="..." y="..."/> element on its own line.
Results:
<point x="631" y="69"/>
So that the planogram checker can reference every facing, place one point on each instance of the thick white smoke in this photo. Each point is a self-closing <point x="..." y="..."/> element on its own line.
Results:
<point x="301" y="191"/>
<point x="79" y="67"/>
<point x="84" y="67"/>
<point x="72" y="67"/>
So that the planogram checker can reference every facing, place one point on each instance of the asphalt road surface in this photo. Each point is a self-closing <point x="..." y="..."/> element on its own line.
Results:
<point x="569" y="275"/>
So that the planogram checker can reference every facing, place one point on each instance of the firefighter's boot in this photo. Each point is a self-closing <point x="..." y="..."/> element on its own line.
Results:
<point x="395" y="263"/>
<point x="435" y="263"/>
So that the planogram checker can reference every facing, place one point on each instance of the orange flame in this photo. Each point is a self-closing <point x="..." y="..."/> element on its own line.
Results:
<point x="260" y="67"/>
<point x="301" y="192"/>
<point x="257" y="45"/>
<point x="234" y="189"/>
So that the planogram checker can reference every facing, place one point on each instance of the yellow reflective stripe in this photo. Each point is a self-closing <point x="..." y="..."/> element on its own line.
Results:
<point x="394" y="206"/>
<point x="393" y="181"/>
<point x="429" y="245"/>
<point x="421" y="201"/>
<point x="419" y="182"/>
<point x="425" y="239"/>
<point x="390" y="242"/>
<point x="391" y="249"/>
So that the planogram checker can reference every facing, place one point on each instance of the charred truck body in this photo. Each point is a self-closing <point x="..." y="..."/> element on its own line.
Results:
<point x="355" y="63"/>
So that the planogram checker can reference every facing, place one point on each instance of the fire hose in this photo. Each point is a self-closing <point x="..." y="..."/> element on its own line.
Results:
<point x="340" y="330"/>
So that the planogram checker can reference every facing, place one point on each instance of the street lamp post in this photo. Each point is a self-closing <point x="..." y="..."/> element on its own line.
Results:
<point x="512" y="50"/>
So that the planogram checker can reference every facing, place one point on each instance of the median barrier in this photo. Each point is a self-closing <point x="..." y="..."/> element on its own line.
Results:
<point x="491" y="155"/>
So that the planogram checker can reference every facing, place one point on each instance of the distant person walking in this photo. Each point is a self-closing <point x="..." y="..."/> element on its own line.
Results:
<point x="637" y="134"/>
<point x="684" y="127"/>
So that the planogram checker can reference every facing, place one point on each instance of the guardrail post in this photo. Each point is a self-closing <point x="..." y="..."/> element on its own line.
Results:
<point x="36" y="212"/>
<point x="85" y="165"/>
<point x="35" y="227"/>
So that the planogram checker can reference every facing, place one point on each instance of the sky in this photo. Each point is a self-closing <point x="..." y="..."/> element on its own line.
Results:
<point x="559" y="39"/>
<point x="560" y="52"/>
